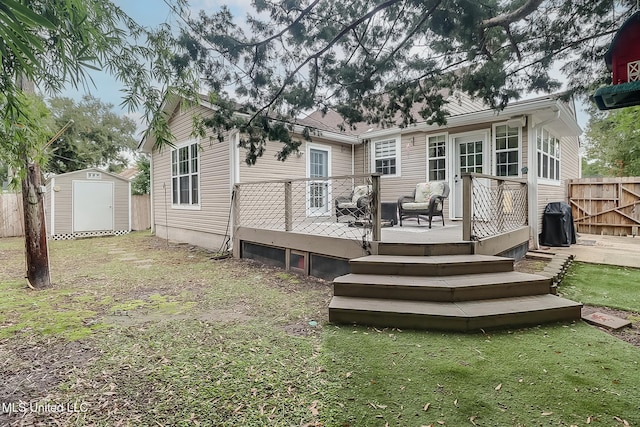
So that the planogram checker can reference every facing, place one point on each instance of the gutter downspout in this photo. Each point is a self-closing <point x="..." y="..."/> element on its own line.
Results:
<point x="152" y="195"/>
<point x="234" y="141"/>
<point x="532" y="177"/>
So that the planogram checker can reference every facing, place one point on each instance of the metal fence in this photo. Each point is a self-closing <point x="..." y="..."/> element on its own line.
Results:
<point x="492" y="205"/>
<point x="343" y="206"/>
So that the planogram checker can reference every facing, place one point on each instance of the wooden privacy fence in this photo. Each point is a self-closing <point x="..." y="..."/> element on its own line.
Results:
<point x="11" y="215"/>
<point x="609" y="206"/>
<point x="140" y="212"/>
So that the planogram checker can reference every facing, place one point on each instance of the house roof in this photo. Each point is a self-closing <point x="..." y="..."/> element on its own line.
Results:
<point x="129" y="173"/>
<point x="458" y="103"/>
<point x="463" y="110"/>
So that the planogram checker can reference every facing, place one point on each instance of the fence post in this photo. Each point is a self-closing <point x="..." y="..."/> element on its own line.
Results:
<point x="467" y="205"/>
<point x="500" y="211"/>
<point x="376" y="207"/>
<point x="288" y="207"/>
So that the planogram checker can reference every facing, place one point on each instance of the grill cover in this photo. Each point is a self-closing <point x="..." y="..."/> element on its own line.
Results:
<point x="557" y="225"/>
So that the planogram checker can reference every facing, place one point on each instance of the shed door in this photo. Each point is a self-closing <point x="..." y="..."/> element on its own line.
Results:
<point x="92" y="206"/>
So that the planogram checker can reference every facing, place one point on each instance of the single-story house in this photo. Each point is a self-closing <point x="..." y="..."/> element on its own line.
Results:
<point x="534" y="139"/>
<point x="88" y="202"/>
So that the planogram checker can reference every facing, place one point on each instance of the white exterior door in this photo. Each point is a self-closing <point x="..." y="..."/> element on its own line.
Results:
<point x="92" y="206"/>
<point x="470" y="155"/>
<point x="318" y="191"/>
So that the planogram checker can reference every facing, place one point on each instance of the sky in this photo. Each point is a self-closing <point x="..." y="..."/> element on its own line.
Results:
<point x="151" y="13"/>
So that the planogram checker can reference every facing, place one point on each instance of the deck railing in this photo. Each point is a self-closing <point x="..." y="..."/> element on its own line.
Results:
<point x="492" y="205"/>
<point x="309" y="206"/>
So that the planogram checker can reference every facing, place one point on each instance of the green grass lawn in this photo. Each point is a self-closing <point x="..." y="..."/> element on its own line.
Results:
<point x="148" y="335"/>
<point x="603" y="285"/>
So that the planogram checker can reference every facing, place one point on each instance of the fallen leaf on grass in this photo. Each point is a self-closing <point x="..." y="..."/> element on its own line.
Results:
<point x="314" y="408"/>
<point x="348" y="374"/>
<point x="546" y="414"/>
<point x="426" y="407"/>
<point x="455" y="402"/>
<point x="472" y="419"/>
<point x="620" y="420"/>
<point x="588" y="420"/>
<point x="441" y="422"/>
<point x="498" y="387"/>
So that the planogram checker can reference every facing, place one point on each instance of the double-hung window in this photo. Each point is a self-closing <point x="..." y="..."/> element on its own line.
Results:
<point x="437" y="153"/>
<point x="185" y="175"/>
<point x="548" y="147"/>
<point x="507" y="151"/>
<point x="385" y="157"/>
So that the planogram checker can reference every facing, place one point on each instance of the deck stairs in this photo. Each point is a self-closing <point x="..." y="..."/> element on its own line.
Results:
<point x="444" y="287"/>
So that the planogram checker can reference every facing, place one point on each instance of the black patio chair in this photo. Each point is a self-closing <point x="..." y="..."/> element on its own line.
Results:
<point x="426" y="201"/>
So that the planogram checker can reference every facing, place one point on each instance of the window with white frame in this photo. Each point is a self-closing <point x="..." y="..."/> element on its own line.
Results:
<point x="507" y="150"/>
<point x="437" y="157"/>
<point x="385" y="157"/>
<point x="185" y="176"/>
<point x="548" y="147"/>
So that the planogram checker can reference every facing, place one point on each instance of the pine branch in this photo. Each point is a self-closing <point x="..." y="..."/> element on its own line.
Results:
<point x="319" y="53"/>
<point x="508" y="18"/>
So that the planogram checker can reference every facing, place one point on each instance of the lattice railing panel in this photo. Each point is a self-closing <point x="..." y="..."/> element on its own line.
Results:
<point x="318" y="206"/>
<point x="499" y="206"/>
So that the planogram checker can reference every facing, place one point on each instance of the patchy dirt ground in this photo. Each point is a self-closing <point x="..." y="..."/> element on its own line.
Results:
<point x="629" y="334"/>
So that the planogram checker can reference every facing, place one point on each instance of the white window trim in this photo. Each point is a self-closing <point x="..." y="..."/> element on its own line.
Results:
<point x="542" y="180"/>
<point x="398" y="156"/>
<point x="494" y="150"/>
<point x="192" y="207"/>
<point x="446" y="154"/>
<point x="327" y="148"/>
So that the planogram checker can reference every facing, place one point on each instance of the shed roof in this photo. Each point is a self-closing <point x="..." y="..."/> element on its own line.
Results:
<point x="81" y="171"/>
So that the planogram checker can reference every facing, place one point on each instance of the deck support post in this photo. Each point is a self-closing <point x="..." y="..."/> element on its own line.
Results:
<point x="467" y="206"/>
<point x="376" y="207"/>
<point x="288" y="207"/>
<point x="500" y="209"/>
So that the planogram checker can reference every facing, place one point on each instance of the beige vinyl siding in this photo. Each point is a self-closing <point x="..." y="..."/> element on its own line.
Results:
<point x="361" y="158"/>
<point x="63" y="201"/>
<point x="268" y="167"/>
<point x="569" y="169"/>
<point x="215" y="187"/>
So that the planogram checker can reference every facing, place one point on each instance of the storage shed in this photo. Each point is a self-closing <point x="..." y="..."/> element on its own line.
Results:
<point x="89" y="202"/>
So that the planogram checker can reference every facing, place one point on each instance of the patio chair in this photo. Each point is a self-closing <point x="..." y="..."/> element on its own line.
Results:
<point x="426" y="201"/>
<point x="355" y="205"/>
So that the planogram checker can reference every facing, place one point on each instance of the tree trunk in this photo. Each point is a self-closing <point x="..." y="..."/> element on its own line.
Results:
<point x="35" y="231"/>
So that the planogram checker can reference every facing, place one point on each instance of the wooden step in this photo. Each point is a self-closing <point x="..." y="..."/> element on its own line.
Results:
<point x="425" y="249"/>
<point x="461" y="316"/>
<point x="463" y="287"/>
<point x="442" y="265"/>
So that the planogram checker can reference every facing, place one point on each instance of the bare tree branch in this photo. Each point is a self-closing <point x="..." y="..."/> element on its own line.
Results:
<point x="507" y="18"/>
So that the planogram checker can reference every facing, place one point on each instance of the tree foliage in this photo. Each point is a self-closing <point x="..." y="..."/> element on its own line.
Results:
<point x="613" y="143"/>
<point x="392" y="62"/>
<point x="26" y="136"/>
<point x="97" y="137"/>
<point x="57" y="42"/>
<point x="141" y="183"/>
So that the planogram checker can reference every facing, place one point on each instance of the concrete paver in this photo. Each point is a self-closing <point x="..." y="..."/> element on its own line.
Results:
<point x="596" y="249"/>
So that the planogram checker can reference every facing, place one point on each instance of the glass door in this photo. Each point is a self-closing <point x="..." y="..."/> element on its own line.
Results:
<point x="469" y="157"/>
<point x="318" y="191"/>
